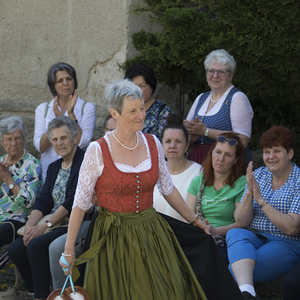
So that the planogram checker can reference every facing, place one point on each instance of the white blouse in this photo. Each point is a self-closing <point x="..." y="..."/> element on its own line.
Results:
<point x="92" y="167"/>
<point x="241" y="112"/>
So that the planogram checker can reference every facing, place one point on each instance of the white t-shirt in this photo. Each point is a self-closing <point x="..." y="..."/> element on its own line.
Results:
<point x="182" y="182"/>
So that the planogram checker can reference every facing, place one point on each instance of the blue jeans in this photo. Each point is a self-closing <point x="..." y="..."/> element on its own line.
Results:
<point x="274" y="256"/>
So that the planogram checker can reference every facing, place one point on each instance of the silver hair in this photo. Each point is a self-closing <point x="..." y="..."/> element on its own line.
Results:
<point x="220" y="56"/>
<point x="116" y="92"/>
<point x="11" y="124"/>
<point x="62" y="121"/>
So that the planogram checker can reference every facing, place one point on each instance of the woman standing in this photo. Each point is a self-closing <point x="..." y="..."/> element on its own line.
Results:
<point x="156" y="111"/>
<point x="134" y="253"/>
<point x="270" y="207"/>
<point x="224" y="108"/>
<point x="183" y="171"/>
<point x="62" y="82"/>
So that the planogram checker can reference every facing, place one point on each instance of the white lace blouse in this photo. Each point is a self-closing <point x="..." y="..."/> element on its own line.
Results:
<point x="92" y="167"/>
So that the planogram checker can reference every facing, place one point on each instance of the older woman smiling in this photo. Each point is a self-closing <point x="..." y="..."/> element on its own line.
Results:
<point x="20" y="178"/>
<point x="270" y="207"/>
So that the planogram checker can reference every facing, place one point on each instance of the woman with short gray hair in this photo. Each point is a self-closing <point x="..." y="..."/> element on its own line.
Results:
<point x="62" y="82"/>
<point x="20" y="179"/>
<point x="223" y="109"/>
<point x="130" y="239"/>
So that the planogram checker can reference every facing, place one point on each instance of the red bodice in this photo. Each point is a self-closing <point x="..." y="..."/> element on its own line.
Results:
<point x="126" y="192"/>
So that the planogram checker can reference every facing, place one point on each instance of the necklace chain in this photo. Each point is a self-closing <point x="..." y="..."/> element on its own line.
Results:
<point x="137" y="142"/>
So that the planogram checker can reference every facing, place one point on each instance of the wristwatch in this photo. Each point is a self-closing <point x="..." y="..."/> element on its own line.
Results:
<point x="263" y="204"/>
<point x="11" y="186"/>
<point x="49" y="224"/>
<point x="206" y="131"/>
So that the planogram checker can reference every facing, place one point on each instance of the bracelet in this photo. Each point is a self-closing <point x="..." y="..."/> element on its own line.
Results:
<point x="196" y="218"/>
<point x="263" y="204"/>
<point x="63" y="254"/>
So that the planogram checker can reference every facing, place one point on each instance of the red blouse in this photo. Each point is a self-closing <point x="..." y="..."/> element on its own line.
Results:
<point x="126" y="192"/>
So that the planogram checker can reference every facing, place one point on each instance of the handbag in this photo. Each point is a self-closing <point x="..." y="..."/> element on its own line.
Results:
<point x="10" y="293"/>
<point x="70" y="293"/>
<point x="219" y="239"/>
<point x="64" y="223"/>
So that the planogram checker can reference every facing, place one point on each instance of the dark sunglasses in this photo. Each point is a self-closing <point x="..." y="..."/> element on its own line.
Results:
<point x="231" y="142"/>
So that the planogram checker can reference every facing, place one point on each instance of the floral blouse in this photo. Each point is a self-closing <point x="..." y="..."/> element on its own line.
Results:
<point x="27" y="173"/>
<point x="155" y="118"/>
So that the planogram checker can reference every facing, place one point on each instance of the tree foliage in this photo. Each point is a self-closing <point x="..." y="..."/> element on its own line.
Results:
<point x="262" y="35"/>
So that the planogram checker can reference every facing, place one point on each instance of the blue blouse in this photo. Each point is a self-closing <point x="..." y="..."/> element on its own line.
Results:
<point x="155" y="118"/>
<point x="286" y="199"/>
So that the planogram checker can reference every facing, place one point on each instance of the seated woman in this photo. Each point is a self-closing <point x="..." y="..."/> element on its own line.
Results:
<point x="20" y="178"/>
<point x="270" y="207"/>
<point x="216" y="193"/>
<point x="175" y="144"/>
<point x="30" y="253"/>
<point x="156" y="111"/>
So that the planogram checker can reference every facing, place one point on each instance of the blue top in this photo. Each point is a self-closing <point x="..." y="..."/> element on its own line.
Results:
<point x="155" y="118"/>
<point x="219" y="121"/>
<point x="285" y="199"/>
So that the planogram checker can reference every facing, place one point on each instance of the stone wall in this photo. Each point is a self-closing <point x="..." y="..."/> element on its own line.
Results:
<point x="93" y="36"/>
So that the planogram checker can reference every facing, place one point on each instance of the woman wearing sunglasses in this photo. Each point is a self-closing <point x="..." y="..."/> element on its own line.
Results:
<point x="224" y="108"/>
<point x="270" y="207"/>
<point x="215" y="194"/>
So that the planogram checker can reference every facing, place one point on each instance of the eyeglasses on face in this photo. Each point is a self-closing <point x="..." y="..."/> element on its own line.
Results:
<point x="212" y="72"/>
<point x="110" y="129"/>
<point x="231" y="142"/>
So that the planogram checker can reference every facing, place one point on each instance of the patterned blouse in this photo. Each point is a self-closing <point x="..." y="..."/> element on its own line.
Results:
<point x="60" y="186"/>
<point x="155" y="118"/>
<point x="285" y="199"/>
<point x="27" y="173"/>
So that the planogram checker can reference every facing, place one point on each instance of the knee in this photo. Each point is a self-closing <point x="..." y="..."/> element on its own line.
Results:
<point x="233" y="235"/>
<point x="16" y="249"/>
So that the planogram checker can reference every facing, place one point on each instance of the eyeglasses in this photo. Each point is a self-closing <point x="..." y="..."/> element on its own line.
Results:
<point x="231" y="142"/>
<point x="220" y="73"/>
<point x="110" y="129"/>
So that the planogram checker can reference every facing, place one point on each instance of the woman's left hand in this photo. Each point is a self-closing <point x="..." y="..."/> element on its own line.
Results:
<point x="71" y="103"/>
<point x="4" y="171"/>
<point x="202" y="226"/>
<point x="33" y="232"/>
<point x="195" y="127"/>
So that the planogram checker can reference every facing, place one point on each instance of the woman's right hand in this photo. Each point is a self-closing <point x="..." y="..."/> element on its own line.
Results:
<point x="33" y="232"/>
<point x="71" y="262"/>
<point x="56" y="110"/>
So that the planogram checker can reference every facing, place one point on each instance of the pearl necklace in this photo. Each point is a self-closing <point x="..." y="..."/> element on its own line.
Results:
<point x="213" y="101"/>
<point x="137" y="142"/>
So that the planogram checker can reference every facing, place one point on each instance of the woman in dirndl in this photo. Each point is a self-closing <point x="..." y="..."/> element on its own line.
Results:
<point x="134" y="253"/>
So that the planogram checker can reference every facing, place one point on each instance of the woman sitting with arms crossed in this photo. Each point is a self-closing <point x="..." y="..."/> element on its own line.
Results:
<point x="175" y="144"/>
<point x="30" y="253"/>
<point x="270" y="207"/>
<point x="216" y="193"/>
<point x="20" y="178"/>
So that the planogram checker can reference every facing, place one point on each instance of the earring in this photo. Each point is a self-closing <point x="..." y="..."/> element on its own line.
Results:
<point x="186" y="154"/>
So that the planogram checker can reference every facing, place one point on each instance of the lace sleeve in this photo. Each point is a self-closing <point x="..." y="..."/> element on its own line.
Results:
<point x="164" y="183"/>
<point x="91" y="168"/>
